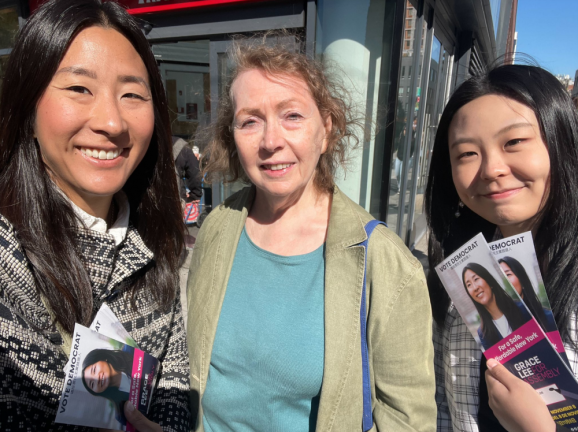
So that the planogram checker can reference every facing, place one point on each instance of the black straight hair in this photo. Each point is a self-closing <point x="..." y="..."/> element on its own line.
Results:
<point x="528" y="294"/>
<point x="120" y="360"/>
<point x="503" y="301"/>
<point x="556" y="236"/>
<point x="43" y="219"/>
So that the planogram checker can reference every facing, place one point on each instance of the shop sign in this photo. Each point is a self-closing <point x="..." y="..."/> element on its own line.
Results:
<point x="135" y="7"/>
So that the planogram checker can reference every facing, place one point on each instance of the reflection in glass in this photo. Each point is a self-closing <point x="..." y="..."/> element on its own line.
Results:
<point x="8" y="27"/>
<point x="184" y="67"/>
<point x="408" y="105"/>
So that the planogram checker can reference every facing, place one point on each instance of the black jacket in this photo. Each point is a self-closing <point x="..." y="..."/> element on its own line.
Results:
<point x="188" y="168"/>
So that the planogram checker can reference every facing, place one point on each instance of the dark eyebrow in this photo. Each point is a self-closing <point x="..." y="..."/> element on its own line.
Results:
<point x="133" y="79"/>
<point x="500" y="132"/>
<point x="78" y="71"/>
<point x="513" y="126"/>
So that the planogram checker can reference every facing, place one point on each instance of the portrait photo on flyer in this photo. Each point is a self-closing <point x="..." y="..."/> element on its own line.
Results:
<point x="102" y="375"/>
<point x="501" y="323"/>
<point x="517" y="258"/>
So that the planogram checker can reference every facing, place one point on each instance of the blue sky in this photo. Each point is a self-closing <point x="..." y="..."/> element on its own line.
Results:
<point x="547" y="31"/>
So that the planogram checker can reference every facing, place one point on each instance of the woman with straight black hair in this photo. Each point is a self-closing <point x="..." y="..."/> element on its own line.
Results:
<point x="495" y="307"/>
<point x="107" y="373"/>
<point x="89" y="208"/>
<point x="516" y="274"/>
<point x="504" y="161"/>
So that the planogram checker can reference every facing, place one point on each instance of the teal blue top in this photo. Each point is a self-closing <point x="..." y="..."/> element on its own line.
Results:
<point x="267" y="361"/>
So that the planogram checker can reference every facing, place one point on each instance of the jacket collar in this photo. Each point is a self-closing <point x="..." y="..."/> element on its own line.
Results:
<point x="107" y="266"/>
<point x="346" y="228"/>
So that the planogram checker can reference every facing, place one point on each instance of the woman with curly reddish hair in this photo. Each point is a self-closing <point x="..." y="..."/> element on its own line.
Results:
<point x="275" y="289"/>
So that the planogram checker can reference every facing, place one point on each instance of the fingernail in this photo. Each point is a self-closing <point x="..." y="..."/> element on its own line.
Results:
<point x="129" y="406"/>
<point x="492" y="363"/>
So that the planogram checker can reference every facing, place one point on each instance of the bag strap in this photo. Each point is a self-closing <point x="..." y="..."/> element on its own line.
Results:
<point x="367" y="411"/>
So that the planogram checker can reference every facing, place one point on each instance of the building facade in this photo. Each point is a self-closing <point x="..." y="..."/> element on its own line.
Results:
<point x="400" y="60"/>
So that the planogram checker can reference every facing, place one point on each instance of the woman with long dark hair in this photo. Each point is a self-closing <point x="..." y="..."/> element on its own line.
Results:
<point x="516" y="274"/>
<point x="504" y="162"/>
<point x="89" y="207"/>
<point x="107" y="373"/>
<point x="499" y="314"/>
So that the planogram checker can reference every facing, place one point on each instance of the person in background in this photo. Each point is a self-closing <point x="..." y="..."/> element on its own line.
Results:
<point x="274" y="290"/>
<point x="504" y="162"/>
<point x="187" y="165"/>
<point x="196" y="152"/>
<point x="89" y="210"/>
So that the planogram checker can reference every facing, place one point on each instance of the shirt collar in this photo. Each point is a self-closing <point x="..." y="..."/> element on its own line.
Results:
<point x="119" y="227"/>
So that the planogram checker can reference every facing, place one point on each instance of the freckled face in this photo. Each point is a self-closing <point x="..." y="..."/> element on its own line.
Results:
<point x="478" y="288"/>
<point x="500" y="164"/>
<point x="97" y="376"/>
<point x="512" y="278"/>
<point x="95" y="120"/>
<point x="279" y="132"/>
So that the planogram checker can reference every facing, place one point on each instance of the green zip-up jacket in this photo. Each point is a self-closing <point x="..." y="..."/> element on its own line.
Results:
<point x="399" y="321"/>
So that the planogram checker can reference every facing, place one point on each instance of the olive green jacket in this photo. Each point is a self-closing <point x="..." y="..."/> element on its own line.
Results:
<point x="399" y="326"/>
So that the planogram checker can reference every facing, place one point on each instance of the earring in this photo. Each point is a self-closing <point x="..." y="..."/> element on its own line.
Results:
<point x="460" y="205"/>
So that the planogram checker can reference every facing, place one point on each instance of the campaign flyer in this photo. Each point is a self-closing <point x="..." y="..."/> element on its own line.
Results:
<point x="106" y="322"/>
<point x="499" y="320"/>
<point x="102" y="374"/>
<point x="516" y="256"/>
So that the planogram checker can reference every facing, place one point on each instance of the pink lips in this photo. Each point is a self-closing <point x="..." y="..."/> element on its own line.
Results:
<point x="502" y="194"/>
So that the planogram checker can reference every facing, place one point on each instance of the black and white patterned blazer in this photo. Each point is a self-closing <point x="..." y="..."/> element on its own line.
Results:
<point x="457" y="369"/>
<point x="32" y="362"/>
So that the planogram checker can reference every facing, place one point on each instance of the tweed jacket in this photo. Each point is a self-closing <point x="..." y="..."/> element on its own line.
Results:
<point x="32" y="361"/>
<point x="398" y="326"/>
<point x="457" y="372"/>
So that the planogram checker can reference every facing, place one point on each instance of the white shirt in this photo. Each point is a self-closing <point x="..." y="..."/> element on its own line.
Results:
<point x="119" y="227"/>
<point x="503" y="326"/>
<point x="124" y="383"/>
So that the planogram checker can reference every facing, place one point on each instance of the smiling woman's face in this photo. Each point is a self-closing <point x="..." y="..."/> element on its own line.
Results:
<point x="500" y="164"/>
<point x="478" y="288"/>
<point x="97" y="376"/>
<point x="95" y="120"/>
<point x="279" y="132"/>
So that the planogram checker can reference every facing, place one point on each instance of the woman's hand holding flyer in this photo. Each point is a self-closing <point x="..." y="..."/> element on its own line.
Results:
<point x="517" y="406"/>
<point x="104" y="377"/>
<point x="490" y="296"/>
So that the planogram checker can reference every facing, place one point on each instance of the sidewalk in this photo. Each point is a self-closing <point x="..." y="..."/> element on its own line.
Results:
<point x="420" y="252"/>
<point x="184" y="273"/>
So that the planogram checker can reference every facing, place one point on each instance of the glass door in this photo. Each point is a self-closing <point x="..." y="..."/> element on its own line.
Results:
<point x="423" y="91"/>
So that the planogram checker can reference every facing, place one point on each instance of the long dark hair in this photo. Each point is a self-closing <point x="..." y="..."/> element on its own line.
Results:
<point x="528" y="294"/>
<point x="42" y="217"/>
<point x="503" y="301"/>
<point x="555" y="238"/>
<point x="121" y="361"/>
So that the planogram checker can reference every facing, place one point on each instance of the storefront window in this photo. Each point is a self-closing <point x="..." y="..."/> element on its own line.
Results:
<point x="8" y="27"/>
<point x="405" y="135"/>
<point x="184" y="67"/>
